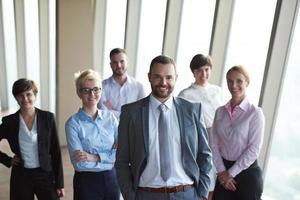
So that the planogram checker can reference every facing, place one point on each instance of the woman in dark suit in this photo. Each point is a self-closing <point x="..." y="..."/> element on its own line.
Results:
<point x="32" y="136"/>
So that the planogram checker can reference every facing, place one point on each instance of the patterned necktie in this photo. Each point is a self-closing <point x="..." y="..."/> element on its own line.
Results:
<point x="164" y="145"/>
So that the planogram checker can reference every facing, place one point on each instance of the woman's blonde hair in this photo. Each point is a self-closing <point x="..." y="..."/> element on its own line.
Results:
<point x="88" y="74"/>
<point x="240" y="69"/>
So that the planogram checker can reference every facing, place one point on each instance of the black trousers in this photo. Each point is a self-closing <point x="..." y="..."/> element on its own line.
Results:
<point x="25" y="183"/>
<point x="96" y="185"/>
<point x="249" y="184"/>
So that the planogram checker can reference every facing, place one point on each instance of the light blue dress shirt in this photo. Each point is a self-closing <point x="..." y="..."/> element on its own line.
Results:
<point x="94" y="137"/>
<point x="151" y="174"/>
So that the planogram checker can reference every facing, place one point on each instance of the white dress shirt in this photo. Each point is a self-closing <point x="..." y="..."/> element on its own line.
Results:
<point x="210" y="97"/>
<point x="29" y="144"/>
<point x="118" y="95"/>
<point x="151" y="174"/>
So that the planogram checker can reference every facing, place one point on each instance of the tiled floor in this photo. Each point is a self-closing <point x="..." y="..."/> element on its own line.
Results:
<point x="5" y="174"/>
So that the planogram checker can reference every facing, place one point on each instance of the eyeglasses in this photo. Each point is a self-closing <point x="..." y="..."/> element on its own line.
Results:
<point x="95" y="90"/>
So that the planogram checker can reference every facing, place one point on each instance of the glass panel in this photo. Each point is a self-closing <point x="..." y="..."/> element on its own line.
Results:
<point x="32" y="42"/>
<point x="283" y="173"/>
<point x="32" y="39"/>
<point x="52" y="53"/>
<point x="10" y="49"/>
<point x="195" y="34"/>
<point x="249" y="41"/>
<point x="151" y="36"/>
<point x="114" y="30"/>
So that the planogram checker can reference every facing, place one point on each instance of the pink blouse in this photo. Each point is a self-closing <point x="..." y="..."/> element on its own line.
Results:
<point x="237" y="136"/>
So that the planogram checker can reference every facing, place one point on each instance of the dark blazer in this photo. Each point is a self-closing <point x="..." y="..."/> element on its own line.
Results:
<point x="48" y="143"/>
<point x="133" y="148"/>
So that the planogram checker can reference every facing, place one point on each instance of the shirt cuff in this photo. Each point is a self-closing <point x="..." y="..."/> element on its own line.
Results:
<point x="233" y="171"/>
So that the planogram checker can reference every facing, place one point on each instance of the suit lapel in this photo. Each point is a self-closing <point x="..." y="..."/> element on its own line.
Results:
<point x="38" y="125"/>
<point x="145" y="124"/>
<point x="180" y="115"/>
<point x="15" y="131"/>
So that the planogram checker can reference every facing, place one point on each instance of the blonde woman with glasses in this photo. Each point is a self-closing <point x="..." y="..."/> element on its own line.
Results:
<point x="91" y="138"/>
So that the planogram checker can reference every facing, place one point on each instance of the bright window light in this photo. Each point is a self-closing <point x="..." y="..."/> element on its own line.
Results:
<point x="249" y="41"/>
<point x="195" y="34"/>
<point x="283" y="173"/>
<point x="114" y="31"/>
<point x="151" y="36"/>
<point x="10" y="49"/>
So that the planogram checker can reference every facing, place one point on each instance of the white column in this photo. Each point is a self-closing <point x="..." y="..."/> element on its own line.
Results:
<point x="275" y="70"/>
<point x="3" y="79"/>
<point x="20" y="38"/>
<point x="172" y="27"/>
<point x="132" y="32"/>
<point x="99" y="34"/>
<point x="219" y="40"/>
<point x="45" y="74"/>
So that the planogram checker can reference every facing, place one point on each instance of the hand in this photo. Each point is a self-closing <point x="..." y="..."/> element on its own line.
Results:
<point x="223" y="176"/>
<point x="227" y="181"/>
<point x="15" y="161"/>
<point x="60" y="192"/>
<point x="115" y="145"/>
<point x="108" y="105"/>
<point x="230" y="185"/>
<point x="80" y="155"/>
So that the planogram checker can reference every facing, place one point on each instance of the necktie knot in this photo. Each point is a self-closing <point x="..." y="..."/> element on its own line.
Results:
<point x="162" y="108"/>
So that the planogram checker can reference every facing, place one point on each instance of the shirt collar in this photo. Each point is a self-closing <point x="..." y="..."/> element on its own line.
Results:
<point x="155" y="103"/>
<point x="243" y="105"/>
<point x="128" y="80"/>
<point x="84" y="116"/>
<point x="194" y="85"/>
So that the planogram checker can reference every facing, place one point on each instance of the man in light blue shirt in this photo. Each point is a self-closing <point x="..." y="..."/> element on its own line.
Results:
<point x="120" y="88"/>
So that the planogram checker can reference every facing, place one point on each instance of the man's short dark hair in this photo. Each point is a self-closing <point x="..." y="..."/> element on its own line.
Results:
<point x="163" y="60"/>
<point x="116" y="51"/>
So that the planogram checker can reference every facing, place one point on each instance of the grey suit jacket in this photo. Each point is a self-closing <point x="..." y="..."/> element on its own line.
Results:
<point x="133" y="148"/>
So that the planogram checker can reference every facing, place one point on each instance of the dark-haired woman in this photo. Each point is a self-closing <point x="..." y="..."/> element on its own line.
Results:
<point x="209" y="95"/>
<point x="32" y="136"/>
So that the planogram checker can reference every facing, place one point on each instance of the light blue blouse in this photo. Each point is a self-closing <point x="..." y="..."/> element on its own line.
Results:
<point x="93" y="136"/>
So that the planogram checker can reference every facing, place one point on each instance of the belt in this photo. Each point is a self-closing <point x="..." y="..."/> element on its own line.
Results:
<point x="179" y="188"/>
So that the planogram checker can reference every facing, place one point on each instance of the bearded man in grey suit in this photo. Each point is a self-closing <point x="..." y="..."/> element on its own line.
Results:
<point x="144" y="170"/>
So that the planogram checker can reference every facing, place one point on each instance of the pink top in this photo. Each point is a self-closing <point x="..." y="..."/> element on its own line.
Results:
<point x="237" y="136"/>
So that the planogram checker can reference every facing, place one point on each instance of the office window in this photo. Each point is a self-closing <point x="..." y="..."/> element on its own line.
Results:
<point x="52" y="54"/>
<point x="282" y="179"/>
<point x="32" y="39"/>
<point x="10" y="49"/>
<point x="150" y="37"/>
<point x="249" y="41"/>
<point x="32" y="42"/>
<point x="114" y="30"/>
<point x="195" y="35"/>
<point x="30" y="11"/>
